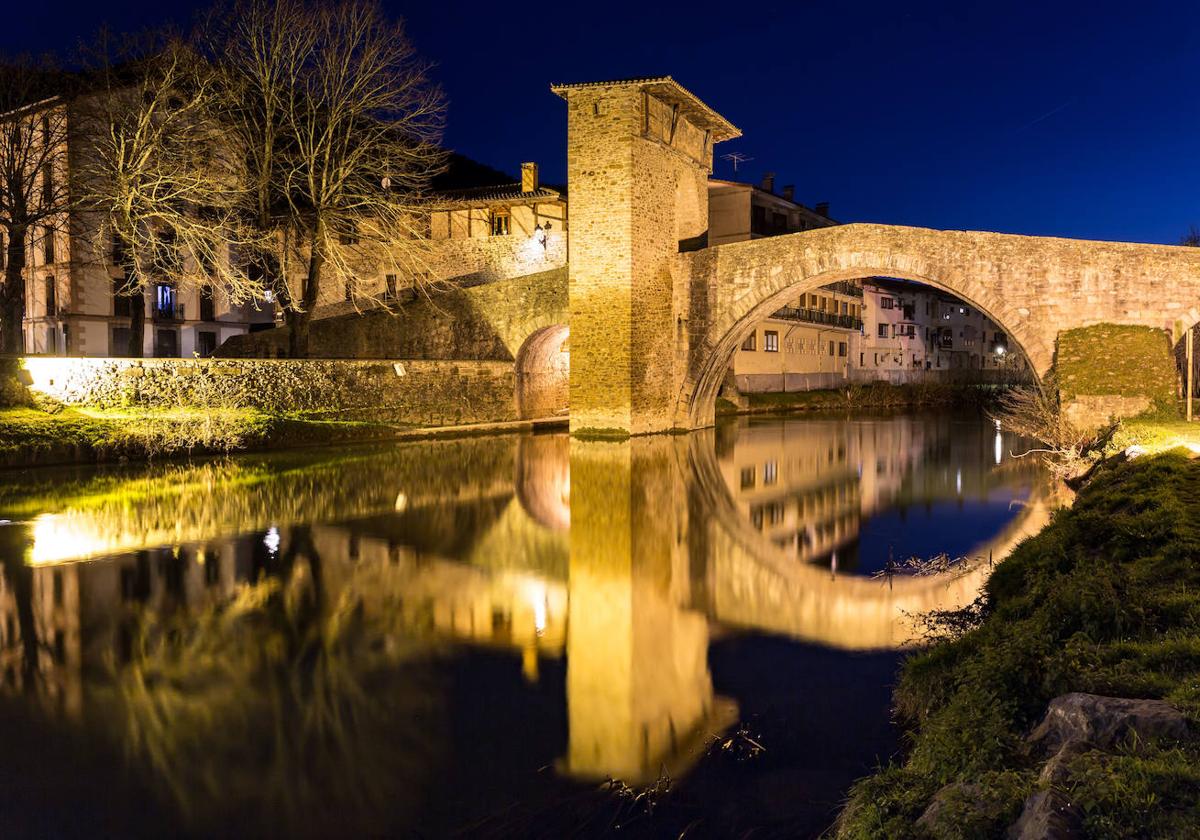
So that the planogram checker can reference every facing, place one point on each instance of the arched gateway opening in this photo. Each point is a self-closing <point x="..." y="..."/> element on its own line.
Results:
<point x="543" y="369"/>
<point x="699" y="394"/>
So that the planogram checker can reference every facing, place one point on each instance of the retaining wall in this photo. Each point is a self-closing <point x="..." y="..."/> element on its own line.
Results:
<point x="420" y="392"/>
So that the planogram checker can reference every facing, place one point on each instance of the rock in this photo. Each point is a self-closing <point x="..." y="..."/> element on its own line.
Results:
<point x="1103" y="721"/>
<point x="1056" y="771"/>
<point x="1047" y="815"/>
<point x="938" y="805"/>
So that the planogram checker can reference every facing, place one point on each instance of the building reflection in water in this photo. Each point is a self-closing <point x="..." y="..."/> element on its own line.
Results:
<point x="622" y="557"/>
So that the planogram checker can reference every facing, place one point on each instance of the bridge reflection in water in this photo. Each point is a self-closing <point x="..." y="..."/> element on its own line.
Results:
<point x="622" y="557"/>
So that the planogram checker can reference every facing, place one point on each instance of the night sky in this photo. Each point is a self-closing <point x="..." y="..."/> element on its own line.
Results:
<point x="1072" y="119"/>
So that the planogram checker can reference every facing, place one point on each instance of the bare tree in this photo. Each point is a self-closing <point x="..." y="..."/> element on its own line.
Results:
<point x="1191" y="238"/>
<point x="339" y="125"/>
<point x="33" y="191"/>
<point x="161" y="183"/>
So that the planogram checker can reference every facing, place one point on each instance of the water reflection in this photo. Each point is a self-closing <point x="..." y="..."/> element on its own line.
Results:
<point x="299" y="642"/>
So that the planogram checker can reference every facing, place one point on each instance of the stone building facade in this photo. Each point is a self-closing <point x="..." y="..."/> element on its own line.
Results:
<point x="71" y="276"/>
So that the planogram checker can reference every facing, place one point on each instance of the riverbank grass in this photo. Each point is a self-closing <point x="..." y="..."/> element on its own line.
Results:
<point x="30" y="435"/>
<point x="869" y="397"/>
<point x="1105" y="600"/>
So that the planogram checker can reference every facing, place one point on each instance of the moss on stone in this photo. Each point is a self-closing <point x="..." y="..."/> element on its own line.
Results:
<point x="600" y="433"/>
<point x="1106" y="600"/>
<point x="1113" y="360"/>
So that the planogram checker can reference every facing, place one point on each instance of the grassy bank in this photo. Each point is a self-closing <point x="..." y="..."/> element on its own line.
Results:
<point x="35" y="437"/>
<point x="872" y="397"/>
<point x="1105" y="600"/>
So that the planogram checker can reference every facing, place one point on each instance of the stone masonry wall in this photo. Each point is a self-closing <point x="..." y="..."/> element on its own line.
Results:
<point x="402" y="391"/>
<point x="1032" y="287"/>
<point x="484" y="321"/>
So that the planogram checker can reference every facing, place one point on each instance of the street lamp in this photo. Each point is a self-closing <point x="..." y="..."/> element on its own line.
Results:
<point x="541" y="234"/>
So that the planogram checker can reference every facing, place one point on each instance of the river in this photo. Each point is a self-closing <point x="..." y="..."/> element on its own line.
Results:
<point x="469" y="635"/>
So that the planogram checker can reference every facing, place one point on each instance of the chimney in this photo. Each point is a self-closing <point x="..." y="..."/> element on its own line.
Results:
<point x="529" y="177"/>
<point x="789" y="192"/>
<point x="768" y="182"/>
<point x="822" y="209"/>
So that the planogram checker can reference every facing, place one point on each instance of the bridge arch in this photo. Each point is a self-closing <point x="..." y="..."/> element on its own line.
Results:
<point x="727" y="335"/>
<point x="1031" y="287"/>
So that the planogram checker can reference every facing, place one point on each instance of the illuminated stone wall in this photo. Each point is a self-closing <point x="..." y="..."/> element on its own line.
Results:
<point x="485" y="321"/>
<point x="638" y="159"/>
<point x="406" y="391"/>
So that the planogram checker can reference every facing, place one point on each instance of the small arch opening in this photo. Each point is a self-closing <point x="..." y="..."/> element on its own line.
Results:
<point x="543" y="368"/>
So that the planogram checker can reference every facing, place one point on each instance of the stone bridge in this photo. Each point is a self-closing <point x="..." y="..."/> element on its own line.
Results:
<point x="1032" y="286"/>
<point x="655" y="322"/>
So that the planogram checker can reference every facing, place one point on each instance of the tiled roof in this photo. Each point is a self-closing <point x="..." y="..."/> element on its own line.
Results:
<point x="501" y="192"/>
<point x="670" y="91"/>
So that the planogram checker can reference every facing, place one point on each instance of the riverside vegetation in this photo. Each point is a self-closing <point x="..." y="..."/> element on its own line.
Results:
<point x="1105" y="600"/>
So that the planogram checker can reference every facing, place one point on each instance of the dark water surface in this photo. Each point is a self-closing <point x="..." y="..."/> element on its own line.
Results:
<point x="469" y="636"/>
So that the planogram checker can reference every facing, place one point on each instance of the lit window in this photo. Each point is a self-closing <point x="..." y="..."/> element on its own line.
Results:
<point x="770" y="472"/>
<point x="501" y="223"/>
<point x="771" y="341"/>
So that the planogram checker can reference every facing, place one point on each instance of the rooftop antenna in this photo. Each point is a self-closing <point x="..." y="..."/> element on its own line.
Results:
<point x="735" y="158"/>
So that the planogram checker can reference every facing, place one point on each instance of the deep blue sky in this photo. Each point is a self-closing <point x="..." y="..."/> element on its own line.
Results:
<point x="1073" y="119"/>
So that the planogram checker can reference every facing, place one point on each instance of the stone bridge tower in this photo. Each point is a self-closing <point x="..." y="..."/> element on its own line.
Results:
<point x="639" y="153"/>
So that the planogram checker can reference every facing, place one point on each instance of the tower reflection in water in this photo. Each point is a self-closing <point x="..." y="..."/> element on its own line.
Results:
<point x="270" y="635"/>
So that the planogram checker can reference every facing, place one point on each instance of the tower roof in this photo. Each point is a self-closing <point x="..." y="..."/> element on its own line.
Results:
<point x="668" y="90"/>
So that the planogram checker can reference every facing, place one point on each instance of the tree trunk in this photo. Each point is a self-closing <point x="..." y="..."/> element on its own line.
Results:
<point x="137" y="323"/>
<point x="300" y="320"/>
<point x="12" y="295"/>
<point x="14" y="541"/>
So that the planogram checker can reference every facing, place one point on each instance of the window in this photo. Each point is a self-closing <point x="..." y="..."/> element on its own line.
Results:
<point x="48" y="245"/>
<point x="770" y="472"/>
<point x="166" y="344"/>
<point x="51" y="298"/>
<point x="882" y="331"/>
<point x="389" y="281"/>
<point x="207" y="304"/>
<point x="118" y="251"/>
<point x="164" y="303"/>
<point x="121" y="303"/>
<point x="501" y="223"/>
<point x="831" y="348"/>
<point x="885" y="303"/>
<point x="349" y="236"/>
<point x="750" y="343"/>
<point x="47" y="186"/>
<point x="842" y="349"/>
<point x="206" y="342"/>
<point x="349" y="290"/>
<point x="771" y="341"/>
<point x="747" y="477"/>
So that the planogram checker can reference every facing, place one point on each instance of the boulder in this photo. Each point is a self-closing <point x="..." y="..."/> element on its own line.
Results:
<point x="935" y="812"/>
<point x="1047" y="815"/>
<point x="1103" y="721"/>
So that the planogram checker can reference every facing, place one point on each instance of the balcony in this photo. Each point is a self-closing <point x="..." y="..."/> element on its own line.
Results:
<point x="815" y="316"/>
<point x="844" y="287"/>
<point x="167" y="312"/>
